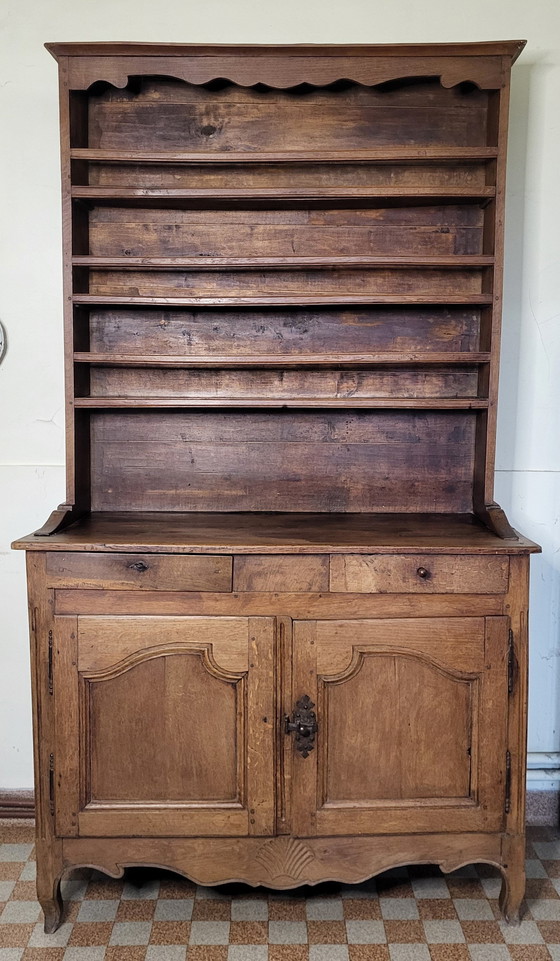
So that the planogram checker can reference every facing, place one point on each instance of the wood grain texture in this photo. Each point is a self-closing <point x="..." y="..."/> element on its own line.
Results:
<point x="139" y="572"/>
<point x="297" y="533"/>
<point x="282" y="461"/>
<point x="401" y="575"/>
<point x="279" y="573"/>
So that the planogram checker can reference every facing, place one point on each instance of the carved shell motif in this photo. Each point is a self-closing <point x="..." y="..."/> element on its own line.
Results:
<point x="284" y="859"/>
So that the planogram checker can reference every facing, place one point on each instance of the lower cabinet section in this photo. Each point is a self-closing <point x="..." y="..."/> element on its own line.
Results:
<point x="236" y="744"/>
<point x="173" y="725"/>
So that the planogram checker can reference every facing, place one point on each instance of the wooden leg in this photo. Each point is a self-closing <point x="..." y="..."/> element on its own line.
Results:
<point x="513" y="880"/>
<point x="49" y="874"/>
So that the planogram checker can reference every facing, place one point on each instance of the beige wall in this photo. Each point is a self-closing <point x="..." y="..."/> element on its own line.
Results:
<point x="31" y="403"/>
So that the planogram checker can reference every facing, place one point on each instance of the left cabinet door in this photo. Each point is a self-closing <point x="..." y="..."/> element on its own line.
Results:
<point x="164" y="726"/>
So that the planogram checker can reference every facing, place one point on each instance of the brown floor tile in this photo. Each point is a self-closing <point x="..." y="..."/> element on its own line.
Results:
<point x="136" y="910"/>
<point x="550" y="931"/>
<point x="436" y="909"/>
<point x="176" y="888"/>
<point x="482" y="932"/>
<point x="207" y="952"/>
<point x="87" y="934"/>
<point x="15" y="935"/>
<point x="43" y="954"/>
<point x="529" y="952"/>
<point x="10" y="870"/>
<point x="287" y="952"/>
<point x="24" y="891"/>
<point x="404" y="932"/>
<point x="394" y="888"/>
<point x="326" y="932"/>
<point x="449" y="952"/>
<point x="135" y="952"/>
<point x="209" y="910"/>
<point x="248" y="932"/>
<point x="70" y="911"/>
<point x="170" y="932"/>
<point x="368" y="952"/>
<point x="287" y="910"/>
<point x="106" y="890"/>
<point x="465" y="888"/>
<point x="540" y="888"/>
<point x="552" y="868"/>
<point x="361" y="909"/>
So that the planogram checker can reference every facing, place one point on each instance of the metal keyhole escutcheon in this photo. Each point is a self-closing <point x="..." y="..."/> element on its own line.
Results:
<point x="303" y="723"/>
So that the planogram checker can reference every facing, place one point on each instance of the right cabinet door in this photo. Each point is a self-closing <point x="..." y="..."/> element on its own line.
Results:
<point x="411" y="725"/>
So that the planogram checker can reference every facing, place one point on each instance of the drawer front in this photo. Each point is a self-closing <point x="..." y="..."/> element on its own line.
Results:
<point x="418" y="574"/>
<point x="282" y="573"/>
<point x="152" y="572"/>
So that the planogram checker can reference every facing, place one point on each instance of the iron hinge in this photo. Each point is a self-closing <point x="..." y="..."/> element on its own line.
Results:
<point x="51" y="784"/>
<point x="50" y="657"/>
<point x="508" y="783"/>
<point x="511" y="663"/>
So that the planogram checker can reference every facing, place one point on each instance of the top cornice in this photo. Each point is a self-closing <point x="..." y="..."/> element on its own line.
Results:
<point x="494" y="48"/>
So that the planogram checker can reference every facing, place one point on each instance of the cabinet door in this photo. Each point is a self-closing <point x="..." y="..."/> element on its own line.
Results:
<point x="411" y="725"/>
<point x="165" y="725"/>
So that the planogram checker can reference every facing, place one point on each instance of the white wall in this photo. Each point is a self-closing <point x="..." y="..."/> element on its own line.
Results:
<point x="31" y="400"/>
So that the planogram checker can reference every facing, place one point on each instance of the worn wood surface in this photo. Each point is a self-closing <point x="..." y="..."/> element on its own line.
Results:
<point x="260" y="533"/>
<point x="401" y="575"/>
<point x="282" y="290"/>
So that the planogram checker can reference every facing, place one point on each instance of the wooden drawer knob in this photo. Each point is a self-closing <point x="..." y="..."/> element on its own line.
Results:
<point x="423" y="573"/>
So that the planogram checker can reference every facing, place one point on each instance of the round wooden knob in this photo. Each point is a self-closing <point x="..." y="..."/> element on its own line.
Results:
<point x="422" y="572"/>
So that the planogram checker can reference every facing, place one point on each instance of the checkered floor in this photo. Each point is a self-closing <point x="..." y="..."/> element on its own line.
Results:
<point x="411" y="914"/>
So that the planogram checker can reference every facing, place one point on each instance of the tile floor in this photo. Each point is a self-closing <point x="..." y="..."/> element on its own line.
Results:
<point x="412" y="914"/>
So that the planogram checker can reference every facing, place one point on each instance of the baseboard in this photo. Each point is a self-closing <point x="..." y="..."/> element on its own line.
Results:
<point x="17" y="804"/>
<point x="543" y="807"/>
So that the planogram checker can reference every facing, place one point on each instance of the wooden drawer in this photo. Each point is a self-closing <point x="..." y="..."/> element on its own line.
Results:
<point x="281" y="573"/>
<point x="153" y="572"/>
<point x="417" y="573"/>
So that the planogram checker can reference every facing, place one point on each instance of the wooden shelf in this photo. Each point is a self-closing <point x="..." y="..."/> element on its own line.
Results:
<point x="456" y="261"/>
<point x="385" y="154"/>
<point x="372" y="403"/>
<point x="264" y="300"/>
<point x="209" y="197"/>
<point x="281" y="361"/>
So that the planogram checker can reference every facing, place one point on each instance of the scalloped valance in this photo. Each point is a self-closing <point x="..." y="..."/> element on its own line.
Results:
<point x="485" y="64"/>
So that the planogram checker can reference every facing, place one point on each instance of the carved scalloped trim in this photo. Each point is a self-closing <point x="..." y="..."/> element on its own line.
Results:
<point x="165" y="650"/>
<point x="487" y="73"/>
<point x="359" y="653"/>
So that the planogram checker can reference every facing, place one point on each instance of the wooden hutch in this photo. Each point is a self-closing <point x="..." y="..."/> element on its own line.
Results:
<point x="279" y="628"/>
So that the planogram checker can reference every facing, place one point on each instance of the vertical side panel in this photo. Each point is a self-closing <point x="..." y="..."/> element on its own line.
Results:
<point x="70" y="750"/>
<point x="518" y="602"/>
<point x="493" y="723"/>
<point x="261" y="710"/>
<point x="305" y="769"/>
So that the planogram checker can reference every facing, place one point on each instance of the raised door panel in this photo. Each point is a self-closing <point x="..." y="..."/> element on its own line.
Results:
<point x="411" y="725"/>
<point x="165" y="725"/>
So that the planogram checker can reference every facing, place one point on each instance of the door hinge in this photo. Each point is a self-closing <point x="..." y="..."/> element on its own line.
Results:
<point x="511" y="663"/>
<point x="507" y="805"/>
<point x="50" y="656"/>
<point x="51" y="784"/>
